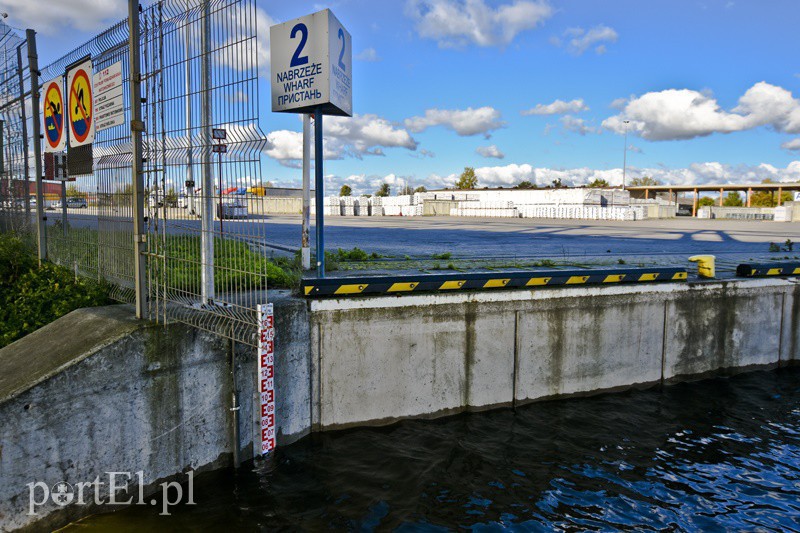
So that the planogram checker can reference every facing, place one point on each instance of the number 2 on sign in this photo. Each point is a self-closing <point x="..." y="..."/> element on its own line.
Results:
<point x="341" y="53"/>
<point x="297" y="59"/>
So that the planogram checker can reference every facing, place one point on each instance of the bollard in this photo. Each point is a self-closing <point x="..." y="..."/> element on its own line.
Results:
<point x="705" y="265"/>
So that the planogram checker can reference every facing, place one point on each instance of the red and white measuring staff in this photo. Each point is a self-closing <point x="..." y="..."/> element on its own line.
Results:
<point x="266" y="375"/>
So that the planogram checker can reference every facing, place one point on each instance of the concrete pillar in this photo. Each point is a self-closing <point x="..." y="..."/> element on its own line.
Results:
<point x="647" y="194"/>
<point x="694" y="204"/>
<point x="749" y="192"/>
<point x="721" y="195"/>
<point x="780" y="192"/>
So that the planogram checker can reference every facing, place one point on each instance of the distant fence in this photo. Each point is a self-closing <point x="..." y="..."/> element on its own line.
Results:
<point x="198" y="72"/>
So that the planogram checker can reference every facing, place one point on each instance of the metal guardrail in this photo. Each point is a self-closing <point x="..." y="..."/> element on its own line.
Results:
<point x="453" y="282"/>
<point x="758" y="270"/>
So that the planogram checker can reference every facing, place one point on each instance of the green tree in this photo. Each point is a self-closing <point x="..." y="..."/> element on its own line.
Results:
<point x="643" y="181"/>
<point x="171" y="198"/>
<point x="383" y="190"/>
<point x="421" y="188"/>
<point x="557" y="184"/>
<point x="706" y="201"/>
<point x="406" y="190"/>
<point x="468" y="179"/>
<point x="345" y="190"/>
<point x="733" y="199"/>
<point x="526" y="185"/>
<point x="599" y="183"/>
<point x="73" y="192"/>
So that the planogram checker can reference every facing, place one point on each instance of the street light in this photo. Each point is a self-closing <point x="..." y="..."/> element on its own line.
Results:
<point x="625" y="154"/>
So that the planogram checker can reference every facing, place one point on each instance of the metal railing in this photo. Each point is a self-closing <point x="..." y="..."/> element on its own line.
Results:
<point x="203" y="242"/>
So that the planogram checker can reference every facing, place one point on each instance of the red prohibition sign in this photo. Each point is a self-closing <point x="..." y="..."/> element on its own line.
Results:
<point x="80" y="106"/>
<point x="53" y="115"/>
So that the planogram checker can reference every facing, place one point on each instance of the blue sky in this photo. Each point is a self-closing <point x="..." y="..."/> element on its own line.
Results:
<point x="710" y="88"/>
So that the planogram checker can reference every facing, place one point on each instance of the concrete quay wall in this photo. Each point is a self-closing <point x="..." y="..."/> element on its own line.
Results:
<point x="377" y="360"/>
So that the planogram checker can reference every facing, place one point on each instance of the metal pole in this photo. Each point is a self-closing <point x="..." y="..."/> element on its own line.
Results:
<point x="63" y="204"/>
<point x="26" y="163"/>
<point x="318" y="192"/>
<point x="305" y="247"/>
<point x="137" y="127"/>
<point x="189" y="151"/>
<point x="235" y="405"/>
<point x="207" y="215"/>
<point x="41" y="219"/>
<point x="625" y="155"/>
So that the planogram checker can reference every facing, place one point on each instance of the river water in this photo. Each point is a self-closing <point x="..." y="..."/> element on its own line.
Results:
<point x="719" y="454"/>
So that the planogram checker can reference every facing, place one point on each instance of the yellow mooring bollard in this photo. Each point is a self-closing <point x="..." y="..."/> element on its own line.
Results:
<point x="705" y="265"/>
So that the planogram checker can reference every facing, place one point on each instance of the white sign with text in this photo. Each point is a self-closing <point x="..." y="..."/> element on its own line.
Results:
<point x="312" y="65"/>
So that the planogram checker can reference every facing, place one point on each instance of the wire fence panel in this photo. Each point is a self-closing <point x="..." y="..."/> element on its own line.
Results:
<point x="15" y="206"/>
<point x="206" y="241"/>
<point x="201" y="72"/>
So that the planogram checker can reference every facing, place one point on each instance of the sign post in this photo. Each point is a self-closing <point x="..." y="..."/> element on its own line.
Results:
<point x="311" y="63"/>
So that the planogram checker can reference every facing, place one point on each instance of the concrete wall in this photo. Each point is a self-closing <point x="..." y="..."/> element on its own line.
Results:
<point x="377" y="360"/>
<point x="97" y="391"/>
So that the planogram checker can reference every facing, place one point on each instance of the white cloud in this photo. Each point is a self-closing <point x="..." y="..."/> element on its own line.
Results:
<point x="576" y="125"/>
<point x="490" y="151"/>
<point x="635" y="149"/>
<point x="686" y="114"/>
<point x="456" y="23"/>
<point x="344" y="136"/>
<point x="240" y="54"/>
<point x="558" y="107"/>
<point x="793" y="145"/>
<point x="464" y="122"/>
<point x="579" y="40"/>
<point x="52" y="17"/>
<point x="369" y="55"/>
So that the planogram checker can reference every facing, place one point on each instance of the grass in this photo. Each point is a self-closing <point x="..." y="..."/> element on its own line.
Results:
<point x="32" y="296"/>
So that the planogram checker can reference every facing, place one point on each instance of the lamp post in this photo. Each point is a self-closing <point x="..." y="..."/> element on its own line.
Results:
<point x="625" y="154"/>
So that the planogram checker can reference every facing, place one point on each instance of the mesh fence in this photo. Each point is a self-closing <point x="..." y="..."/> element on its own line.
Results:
<point x="199" y="72"/>
<point x="15" y="207"/>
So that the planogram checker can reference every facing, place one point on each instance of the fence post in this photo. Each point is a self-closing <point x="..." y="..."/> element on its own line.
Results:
<point x="26" y="163"/>
<point x="137" y="127"/>
<point x="207" y="213"/>
<point x="41" y="221"/>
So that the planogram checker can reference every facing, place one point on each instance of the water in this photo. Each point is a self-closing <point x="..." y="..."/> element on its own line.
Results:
<point x="719" y="454"/>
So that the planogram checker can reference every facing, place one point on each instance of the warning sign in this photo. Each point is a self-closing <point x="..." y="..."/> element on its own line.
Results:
<point x="108" y="100"/>
<point x="53" y="112"/>
<point x="81" y="105"/>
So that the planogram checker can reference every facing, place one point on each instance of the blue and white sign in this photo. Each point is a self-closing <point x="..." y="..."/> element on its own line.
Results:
<point x="312" y="65"/>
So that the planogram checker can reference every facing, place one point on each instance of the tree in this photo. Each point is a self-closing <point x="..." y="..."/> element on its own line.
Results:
<point x="383" y="190"/>
<point x="526" y="185"/>
<point x="643" y="182"/>
<point x="171" y="198"/>
<point x="406" y="190"/>
<point x="769" y="198"/>
<point x="345" y="190"/>
<point x="733" y="199"/>
<point x="706" y="201"/>
<point x="421" y="188"/>
<point x="468" y="180"/>
<point x="558" y="184"/>
<point x="73" y="192"/>
<point x="599" y="183"/>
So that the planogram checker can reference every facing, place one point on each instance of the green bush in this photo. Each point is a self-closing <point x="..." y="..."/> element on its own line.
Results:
<point x="32" y="296"/>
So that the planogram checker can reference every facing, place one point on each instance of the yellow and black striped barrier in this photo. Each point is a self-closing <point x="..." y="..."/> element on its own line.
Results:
<point x="485" y="281"/>
<point x="760" y="270"/>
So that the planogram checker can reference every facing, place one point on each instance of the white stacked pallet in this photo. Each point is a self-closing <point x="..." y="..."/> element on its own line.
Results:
<point x="392" y="210"/>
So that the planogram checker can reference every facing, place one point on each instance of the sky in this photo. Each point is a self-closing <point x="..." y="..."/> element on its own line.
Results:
<point x="529" y="89"/>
